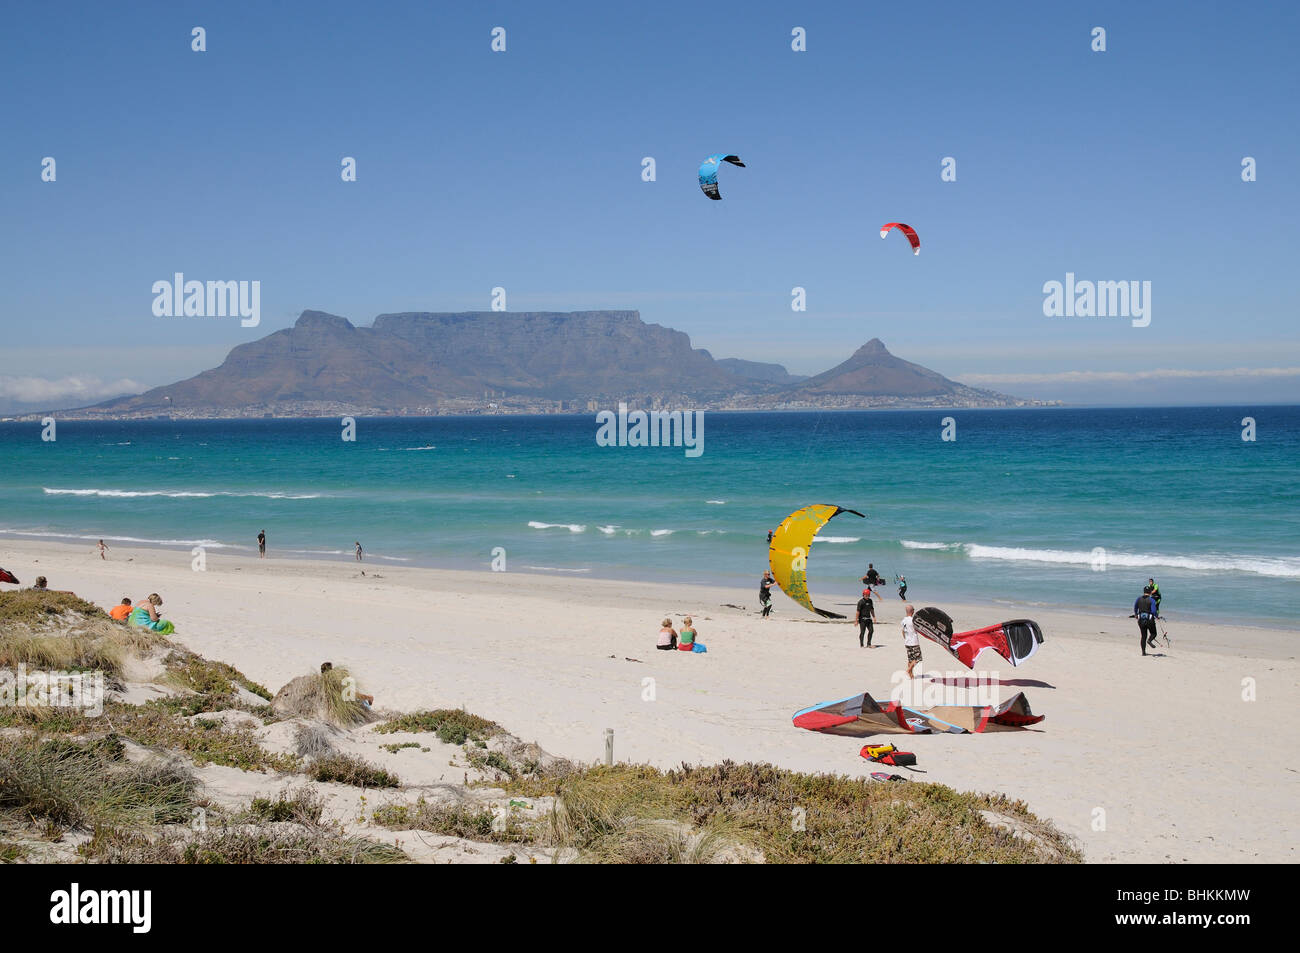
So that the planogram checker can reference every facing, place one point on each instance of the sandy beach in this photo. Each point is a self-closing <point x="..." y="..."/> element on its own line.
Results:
<point x="1141" y="759"/>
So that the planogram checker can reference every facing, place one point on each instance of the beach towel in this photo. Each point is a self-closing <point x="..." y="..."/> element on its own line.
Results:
<point x="691" y="647"/>
<point x="141" y="618"/>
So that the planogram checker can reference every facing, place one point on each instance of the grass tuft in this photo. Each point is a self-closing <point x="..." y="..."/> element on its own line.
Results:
<point x="452" y="725"/>
<point x="348" y="769"/>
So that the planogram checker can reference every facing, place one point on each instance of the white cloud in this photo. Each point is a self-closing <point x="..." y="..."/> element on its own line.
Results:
<point x="40" y="390"/>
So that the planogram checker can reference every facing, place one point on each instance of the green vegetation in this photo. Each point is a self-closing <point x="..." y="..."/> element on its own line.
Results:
<point x="39" y="607"/>
<point x="65" y="653"/>
<point x="731" y="812"/>
<point x="64" y="783"/>
<point x="187" y="670"/>
<point x="348" y="769"/>
<point x="394" y="748"/>
<point x="304" y="806"/>
<point x="610" y="815"/>
<point x="458" y="820"/>
<point x="206" y="741"/>
<point x="286" y="844"/>
<point x="452" y="725"/>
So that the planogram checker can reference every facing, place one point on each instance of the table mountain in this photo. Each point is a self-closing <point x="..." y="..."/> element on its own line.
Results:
<point x="449" y="360"/>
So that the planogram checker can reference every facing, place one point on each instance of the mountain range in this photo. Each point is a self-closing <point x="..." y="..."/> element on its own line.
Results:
<point x="502" y="361"/>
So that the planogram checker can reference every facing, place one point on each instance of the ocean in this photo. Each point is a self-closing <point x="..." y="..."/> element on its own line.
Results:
<point x="1017" y="508"/>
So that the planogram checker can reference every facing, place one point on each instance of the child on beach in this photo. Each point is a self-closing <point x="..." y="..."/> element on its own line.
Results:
<point x="120" y="612"/>
<point x="667" y="636"/>
<point x="102" y="550"/>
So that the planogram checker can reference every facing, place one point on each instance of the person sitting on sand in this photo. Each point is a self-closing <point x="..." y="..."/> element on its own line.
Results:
<point x="367" y="700"/>
<point x="667" y="636"/>
<point x="40" y="583"/>
<point x="145" y="614"/>
<point x="120" y="612"/>
<point x="686" y="637"/>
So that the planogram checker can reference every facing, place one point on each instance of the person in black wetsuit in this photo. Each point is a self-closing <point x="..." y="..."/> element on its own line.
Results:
<point x="872" y="578"/>
<point x="866" y="617"/>
<point x="1146" y="611"/>
<point x="765" y="592"/>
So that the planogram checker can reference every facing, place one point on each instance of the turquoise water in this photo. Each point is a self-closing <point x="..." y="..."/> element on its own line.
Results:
<point x="1010" y="510"/>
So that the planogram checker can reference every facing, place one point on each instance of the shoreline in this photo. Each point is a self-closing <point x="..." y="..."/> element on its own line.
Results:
<point x="933" y="596"/>
<point x="559" y="660"/>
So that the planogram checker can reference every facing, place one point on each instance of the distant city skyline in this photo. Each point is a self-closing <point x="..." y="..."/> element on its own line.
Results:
<point x="523" y="170"/>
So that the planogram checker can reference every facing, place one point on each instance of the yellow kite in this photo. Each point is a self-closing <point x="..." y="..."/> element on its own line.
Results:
<point x="787" y="554"/>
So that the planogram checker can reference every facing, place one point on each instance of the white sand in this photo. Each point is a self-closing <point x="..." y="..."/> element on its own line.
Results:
<point x="1143" y="760"/>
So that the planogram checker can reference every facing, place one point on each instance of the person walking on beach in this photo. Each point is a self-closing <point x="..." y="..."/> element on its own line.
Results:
<point x="866" y="619"/>
<point x="1146" y="611"/>
<point x="261" y="544"/>
<point x="911" y="641"/>
<point x="358" y="550"/>
<point x="872" y="578"/>
<point x="902" y="587"/>
<point x="102" y="550"/>
<point x="765" y="592"/>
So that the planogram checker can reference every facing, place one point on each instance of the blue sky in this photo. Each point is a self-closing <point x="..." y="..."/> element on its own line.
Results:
<point x="522" y="169"/>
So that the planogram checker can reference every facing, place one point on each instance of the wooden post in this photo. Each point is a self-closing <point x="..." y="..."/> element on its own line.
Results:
<point x="609" y="745"/>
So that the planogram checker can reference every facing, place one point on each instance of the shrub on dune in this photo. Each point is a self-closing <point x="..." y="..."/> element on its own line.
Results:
<point x="329" y="696"/>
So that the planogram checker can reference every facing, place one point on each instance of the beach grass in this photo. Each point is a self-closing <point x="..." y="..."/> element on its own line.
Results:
<point x="62" y="653"/>
<point x="472" y="822"/>
<point x="197" y="674"/>
<point x="66" y="783"/>
<point x="623" y="813"/>
<point x="267" y="843"/>
<point x="349" y="769"/>
<point x="452" y="725"/>
<point x="37" y="607"/>
<point x="302" y="806"/>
